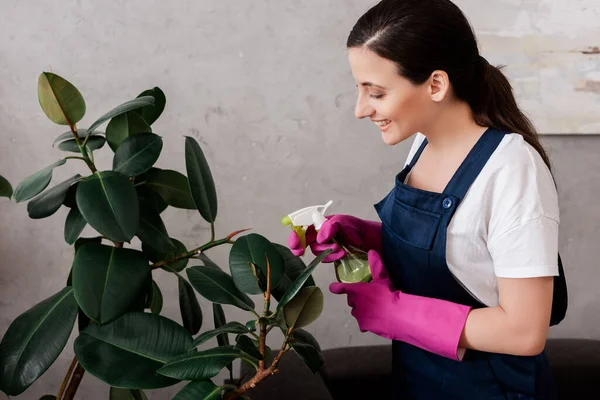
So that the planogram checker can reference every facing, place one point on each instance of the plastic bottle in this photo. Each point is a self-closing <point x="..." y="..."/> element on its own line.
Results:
<point x="353" y="267"/>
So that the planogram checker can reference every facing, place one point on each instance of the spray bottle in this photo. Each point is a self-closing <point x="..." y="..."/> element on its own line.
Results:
<point x="353" y="267"/>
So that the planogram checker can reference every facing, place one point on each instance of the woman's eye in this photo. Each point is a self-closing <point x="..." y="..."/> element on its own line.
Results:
<point x="376" y="96"/>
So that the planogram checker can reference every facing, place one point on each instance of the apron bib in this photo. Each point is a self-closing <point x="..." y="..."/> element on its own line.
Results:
<point x="414" y="230"/>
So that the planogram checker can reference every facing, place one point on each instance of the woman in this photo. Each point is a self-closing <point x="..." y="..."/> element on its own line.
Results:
<point x="466" y="273"/>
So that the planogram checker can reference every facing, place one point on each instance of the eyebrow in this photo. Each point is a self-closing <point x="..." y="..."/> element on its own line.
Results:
<point x="370" y="84"/>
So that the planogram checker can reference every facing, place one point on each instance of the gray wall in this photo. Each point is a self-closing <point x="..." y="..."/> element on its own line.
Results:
<point x="265" y="87"/>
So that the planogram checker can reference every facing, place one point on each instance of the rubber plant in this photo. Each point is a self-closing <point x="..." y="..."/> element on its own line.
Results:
<point x="123" y="339"/>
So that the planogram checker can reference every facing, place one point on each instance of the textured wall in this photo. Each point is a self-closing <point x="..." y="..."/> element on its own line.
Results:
<point x="266" y="89"/>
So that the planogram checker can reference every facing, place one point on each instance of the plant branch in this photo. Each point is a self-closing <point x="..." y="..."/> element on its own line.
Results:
<point x="74" y="384"/>
<point x="86" y="158"/>
<point x="261" y="374"/>
<point x="198" y="250"/>
<point x="63" y="386"/>
<point x="212" y="232"/>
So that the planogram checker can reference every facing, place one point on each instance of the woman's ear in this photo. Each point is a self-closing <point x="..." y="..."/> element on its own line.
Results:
<point x="439" y="85"/>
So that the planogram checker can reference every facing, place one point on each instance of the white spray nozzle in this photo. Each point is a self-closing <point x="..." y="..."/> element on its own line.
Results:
<point x="313" y="215"/>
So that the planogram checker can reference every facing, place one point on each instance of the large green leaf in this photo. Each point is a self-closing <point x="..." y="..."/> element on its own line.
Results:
<point x="151" y="113"/>
<point x="50" y="201"/>
<point x="298" y="283"/>
<point x="126" y="394"/>
<point x="36" y="183"/>
<point x="191" y="313"/>
<point x="172" y="186"/>
<point x="200" y="390"/>
<point x="107" y="280"/>
<point x="201" y="181"/>
<point x="122" y="109"/>
<point x="293" y="266"/>
<point x="305" y="308"/>
<point x="34" y="340"/>
<point x="94" y="143"/>
<point x="124" y="126"/>
<point x="156" y="256"/>
<point x="302" y="336"/>
<point x="156" y="300"/>
<point x="85" y="240"/>
<point x="127" y="352"/>
<point x="230" y="327"/>
<point x="137" y="154"/>
<point x="74" y="225"/>
<point x="60" y="100"/>
<point x="81" y="132"/>
<point x="254" y="249"/>
<point x="6" y="189"/>
<point x="198" y="365"/>
<point x="311" y="356"/>
<point x="218" y="287"/>
<point x="152" y="231"/>
<point x="207" y="261"/>
<point x="109" y="204"/>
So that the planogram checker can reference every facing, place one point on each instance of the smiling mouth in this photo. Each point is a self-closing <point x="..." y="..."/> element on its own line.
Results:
<point x="382" y="124"/>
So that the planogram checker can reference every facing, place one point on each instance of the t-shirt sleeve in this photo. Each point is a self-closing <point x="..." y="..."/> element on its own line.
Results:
<point x="524" y="220"/>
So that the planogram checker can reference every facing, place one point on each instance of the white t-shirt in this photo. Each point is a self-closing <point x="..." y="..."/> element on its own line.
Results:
<point x="507" y="223"/>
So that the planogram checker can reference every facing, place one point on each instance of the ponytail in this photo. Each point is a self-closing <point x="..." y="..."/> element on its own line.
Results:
<point x="495" y="106"/>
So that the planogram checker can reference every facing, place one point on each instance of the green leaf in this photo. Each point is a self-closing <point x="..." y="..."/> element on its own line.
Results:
<point x="81" y="132"/>
<point x="126" y="394"/>
<point x="74" y="225"/>
<point x="172" y="186"/>
<point x="156" y="300"/>
<point x="83" y="240"/>
<point x="219" y="321"/>
<point x="302" y="336"/>
<point x="34" y="340"/>
<point x="255" y="249"/>
<point x="152" y="231"/>
<point x="208" y="262"/>
<point x="36" y="183"/>
<point x="149" y="113"/>
<point x="230" y="327"/>
<point x="127" y="352"/>
<point x="311" y="356"/>
<point x="94" y="143"/>
<point x="251" y="325"/>
<point x="198" y="365"/>
<point x="293" y="266"/>
<point x="156" y="256"/>
<point x="6" y="189"/>
<point x="109" y="204"/>
<point x="107" y="280"/>
<point x="200" y="179"/>
<point x="218" y="287"/>
<point x="200" y="390"/>
<point x="48" y="397"/>
<point x="305" y="308"/>
<point x="50" y="201"/>
<point x="124" y="126"/>
<point x="152" y="198"/>
<point x="246" y="345"/>
<point x="60" y="100"/>
<point x="191" y="313"/>
<point x="119" y="110"/>
<point x="137" y="154"/>
<point x="298" y="284"/>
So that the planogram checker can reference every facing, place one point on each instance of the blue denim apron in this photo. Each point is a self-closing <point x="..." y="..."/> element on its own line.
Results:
<point x="414" y="226"/>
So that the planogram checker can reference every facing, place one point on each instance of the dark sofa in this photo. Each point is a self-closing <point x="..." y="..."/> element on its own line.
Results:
<point x="363" y="373"/>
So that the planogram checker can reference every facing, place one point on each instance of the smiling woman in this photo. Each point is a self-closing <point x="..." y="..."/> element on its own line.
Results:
<point x="466" y="273"/>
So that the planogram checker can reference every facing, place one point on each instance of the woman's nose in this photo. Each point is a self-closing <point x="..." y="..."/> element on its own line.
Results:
<point x="363" y="108"/>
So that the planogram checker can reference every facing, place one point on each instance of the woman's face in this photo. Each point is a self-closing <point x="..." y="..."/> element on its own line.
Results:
<point x="392" y="102"/>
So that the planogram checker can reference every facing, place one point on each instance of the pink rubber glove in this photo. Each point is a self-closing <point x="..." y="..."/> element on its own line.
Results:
<point x="430" y="324"/>
<point x="360" y="233"/>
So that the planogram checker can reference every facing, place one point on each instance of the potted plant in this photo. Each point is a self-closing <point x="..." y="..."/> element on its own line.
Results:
<point x="122" y="338"/>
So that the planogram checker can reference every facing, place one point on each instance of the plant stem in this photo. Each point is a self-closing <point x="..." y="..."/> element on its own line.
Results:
<point x="74" y="158"/>
<point x="74" y="384"/>
<point x="212" y="232"/>
<point x="192" y="253"/>
<point x="261" y="374"/>
<point x="63" y="386"/>
<point x="86" y="158"/>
